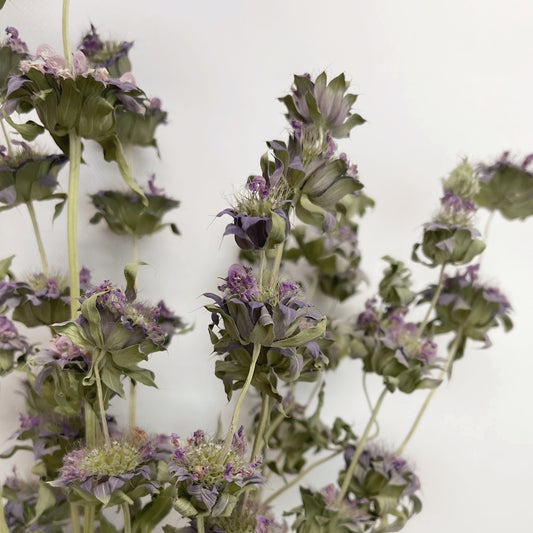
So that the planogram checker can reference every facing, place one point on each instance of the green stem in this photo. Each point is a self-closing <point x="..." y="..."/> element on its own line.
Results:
<point x="370" y="406"/>
<point x="72" y="204"/>
<point x="262" y="266"/>
<point x="238" y="403"/>
<point x="103" y="420"/>
<point x="300" y="476"/>
<point x="433" y="302"/>
<point x="200" y="528"/>
<point x="486" y="235"/>
<point x="38" y="237"/>
<point x="3" y="524"/>
<point x="91" y="427"/>
<point x="275" y="267"/>
<point x="259" y="441"/>
<point x="134" y="249"/>
<point x="359" y="450"/>
<point x="75" y="518"/>
<point x="6" y="136"/>
<point x="449" y="361"/>
<point x="88" y="519"/>
<point x="132" y="403"/>
<point x="127" y="517"/>
<point x="64" y="30"/>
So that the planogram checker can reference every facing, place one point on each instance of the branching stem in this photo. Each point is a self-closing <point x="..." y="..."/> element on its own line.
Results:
<point x="359" y="450"/>
<point x="38" y="237"/>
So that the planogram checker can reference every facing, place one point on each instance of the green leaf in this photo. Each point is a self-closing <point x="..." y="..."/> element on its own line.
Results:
<point x="29" y="130"/>
<point x="5" y="265"/>
<point x="45" y="500"/>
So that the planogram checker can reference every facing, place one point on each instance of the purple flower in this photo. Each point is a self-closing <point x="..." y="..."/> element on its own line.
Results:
<point x="241" y="283"/>
<point x="206" y="481"/>
<point x="10" y="339"/>
<point x="14" y="42"/>
<point x="105" y="472"/>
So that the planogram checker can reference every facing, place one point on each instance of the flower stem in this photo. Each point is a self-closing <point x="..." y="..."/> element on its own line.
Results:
<point x="259" y="441"/>
<point x="6" y="136"/>
<point x="132" y="404"/>
<point x="370" y="406"/>
<point x="486" y="234"/>
<point x="88" y="519"/>
<point x="200" y="528"/>
<point x="64" y="31"/>
<point x="38" y="237"/>
<point x="359" y="450"/>
<point x="75" y="518"/>
<point x="127" y="517"/>
<point x="103" y="420"/>
<point x="433" y="302"/>
<point x="262" y="266"/>
<point x="451" y="355"/>
<point x="3" y="524"/>
<point x="275" y="267"/>
<point x="72" y="204"/>
<point x="238" y="403"/>
<point x="300" y="476"/>
<point x="91" y="426"/>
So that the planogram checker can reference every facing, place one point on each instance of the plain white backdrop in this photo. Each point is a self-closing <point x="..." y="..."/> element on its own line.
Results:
<point x="438" y="81"/>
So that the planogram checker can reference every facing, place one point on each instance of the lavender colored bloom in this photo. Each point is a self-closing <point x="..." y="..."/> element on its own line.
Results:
<point x="13" y="346"/>
<point x="470" y="307"/>
<point x="206" y="482"/>
<point x="14" y="42"/>
<point x="105" y="473"/>
<point x="395" y="349"/>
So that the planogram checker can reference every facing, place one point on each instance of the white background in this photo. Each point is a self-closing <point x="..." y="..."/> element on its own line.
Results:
<point x="438" y="81"/>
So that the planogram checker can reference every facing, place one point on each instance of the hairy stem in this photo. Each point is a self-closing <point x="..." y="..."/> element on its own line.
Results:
<point x="132" y="403"/>
<point x="88" y="519"/>
<point x="238" y="403"/>
<point x="38" y="237"/>
<point x="370" y="406"/>
<point x="486" y="234"/>
<point x="127" y="517"/>
<point x="359" y="450"/>
<point x="101" y="406"/>
<point x="300" y="476"/>
<point x="72" y="205"/>
<point x="64" y="31"/>
<point x="433" y="302"/>
<point x="449" y="362"/>
<point x="275" y="267"/>
<point x="6" y="136"/>
<point x="200" y="528"/>
<point x="259" y="441"/>
<point x="75" y="518"/>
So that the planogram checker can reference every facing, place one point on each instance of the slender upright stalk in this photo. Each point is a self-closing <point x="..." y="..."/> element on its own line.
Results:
<point x="259" y="441"/>
<point x="433" y="302"/>
<point x="276" y="265"/>
<point x="88" y="519"/>
<point x="300" y="476"/>
<point x="6" y="136"/>
<point x="3" y="524"/>
<point x="132" y="404"/>
<point x="200" y="528"/>
<point x="127" y="517"/>
<point x="262" y="266"/>
<point x="486" y="234"/>
<point x="72" y="204"/>
<point x="75" y="518"/>
<point x="238" y="403"/>
<point x="449" y="361"/>
<point x="359" y="450"/>
<point x="38" y="237"/>
<point x="370" y="406"/>
<point x="64" y="28"/>
<point x="101" y="406"/>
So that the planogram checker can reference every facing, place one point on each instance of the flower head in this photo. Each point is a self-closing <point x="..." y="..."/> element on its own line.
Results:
<point x="122" y="465"/>
<point x="507" y="186"/>
<point x="13" y="346"/>
<point x="205" y="482"/>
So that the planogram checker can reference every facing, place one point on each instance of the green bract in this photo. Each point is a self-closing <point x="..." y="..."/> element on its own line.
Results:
<point x="509" y="189"/>
<point x="125" y="214"/>
<point x="30" y="177"/>
<point x="443" y="244"/>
